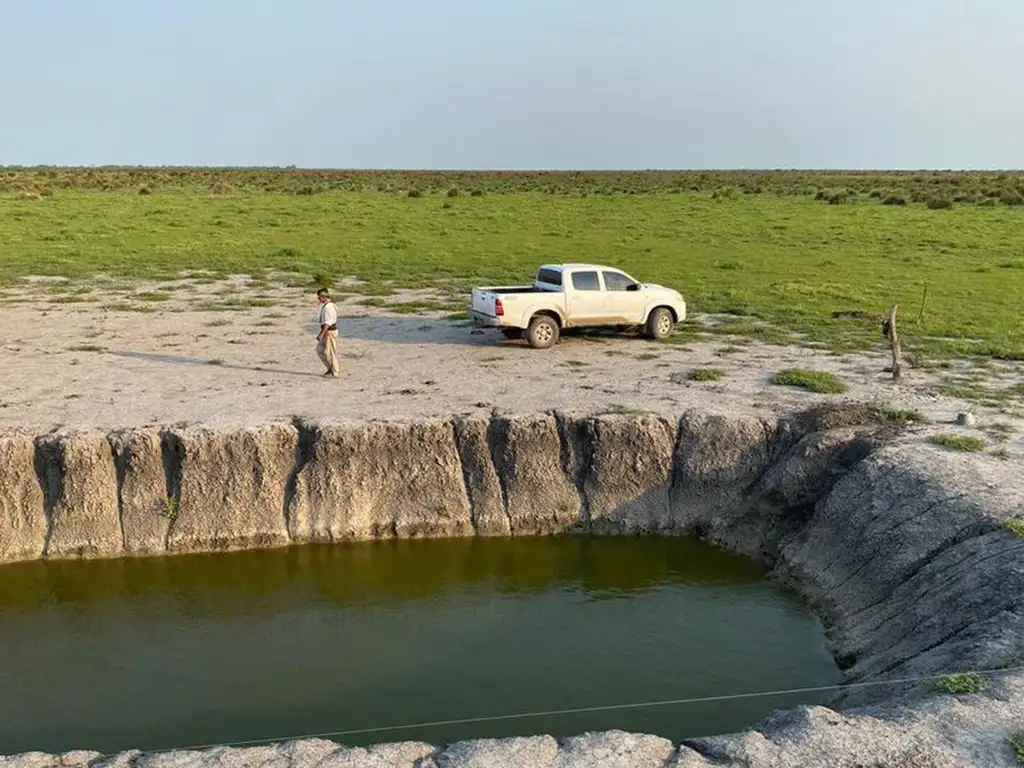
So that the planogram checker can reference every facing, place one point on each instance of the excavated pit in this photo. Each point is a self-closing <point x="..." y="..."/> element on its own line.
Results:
<point x="903" y="550"/>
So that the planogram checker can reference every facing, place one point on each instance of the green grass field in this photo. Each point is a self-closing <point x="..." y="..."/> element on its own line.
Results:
<point x="770" y="252"/>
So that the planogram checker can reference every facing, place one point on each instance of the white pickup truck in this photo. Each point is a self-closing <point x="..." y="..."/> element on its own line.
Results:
<point x="576" y="296"/>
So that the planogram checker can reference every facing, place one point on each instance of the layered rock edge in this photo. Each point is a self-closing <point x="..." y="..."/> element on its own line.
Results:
<point x="902" y="549"/>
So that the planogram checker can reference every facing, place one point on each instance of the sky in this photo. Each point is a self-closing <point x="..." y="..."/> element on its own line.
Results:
<point x="514" y="84"/>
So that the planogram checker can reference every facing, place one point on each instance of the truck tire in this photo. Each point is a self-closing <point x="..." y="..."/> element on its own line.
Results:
<point x="512" y="333"/>
<point x="659" y="323"/>
<point x="542" y="333"/>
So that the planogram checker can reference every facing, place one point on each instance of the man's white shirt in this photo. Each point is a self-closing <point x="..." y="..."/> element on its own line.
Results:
<point x="328" y="314"/>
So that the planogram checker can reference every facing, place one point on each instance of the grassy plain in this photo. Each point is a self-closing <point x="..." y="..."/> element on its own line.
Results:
<point x="814" y="258"/>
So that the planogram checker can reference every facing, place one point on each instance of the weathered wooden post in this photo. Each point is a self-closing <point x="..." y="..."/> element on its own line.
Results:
<point x="889" y="331"/>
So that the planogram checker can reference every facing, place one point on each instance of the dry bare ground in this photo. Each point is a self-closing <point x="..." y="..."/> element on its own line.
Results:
<point x="97" y="363"/>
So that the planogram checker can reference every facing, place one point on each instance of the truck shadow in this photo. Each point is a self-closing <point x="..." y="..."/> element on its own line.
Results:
<point x="390" y="329"/>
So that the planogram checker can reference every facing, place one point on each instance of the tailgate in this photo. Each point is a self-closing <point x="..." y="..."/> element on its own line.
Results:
<point x="483" y="302"/>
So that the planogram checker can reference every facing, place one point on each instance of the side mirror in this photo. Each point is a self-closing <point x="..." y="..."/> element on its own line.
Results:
<point x="633" y="287"/>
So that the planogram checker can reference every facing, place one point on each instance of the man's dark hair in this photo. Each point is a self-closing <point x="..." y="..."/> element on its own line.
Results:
<point x="323" y="292"/>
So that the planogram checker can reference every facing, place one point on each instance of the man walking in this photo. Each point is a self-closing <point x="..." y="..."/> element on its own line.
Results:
<point x="326" y="339"/>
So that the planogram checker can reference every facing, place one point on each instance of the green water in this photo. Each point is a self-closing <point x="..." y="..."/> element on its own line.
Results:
<point x="156" y="653"/>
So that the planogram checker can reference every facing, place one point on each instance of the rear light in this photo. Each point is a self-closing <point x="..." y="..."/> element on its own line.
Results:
<point x="498" y="309"/>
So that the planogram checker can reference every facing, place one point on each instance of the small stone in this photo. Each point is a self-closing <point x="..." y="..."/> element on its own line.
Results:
<point x="966" y="419"/>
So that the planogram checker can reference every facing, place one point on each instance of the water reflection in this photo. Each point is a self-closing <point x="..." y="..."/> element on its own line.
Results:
<point x="381" y="572"/>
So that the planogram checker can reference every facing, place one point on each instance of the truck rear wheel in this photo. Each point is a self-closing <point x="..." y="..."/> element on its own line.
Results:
<point x="659" y="323"/>
<point x="542" y="333"/>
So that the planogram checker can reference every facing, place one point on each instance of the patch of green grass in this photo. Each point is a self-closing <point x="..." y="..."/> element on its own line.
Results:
<point x="706" y="374"/>
<point x="759" y="250"/>
<point x="152" y="296"/>
<point x="968" y="443"/>
<point x="87" y="348"/>
<point x="230" y="304"/>
<point x="898" y="415"/>
<point x="575" y="364"/>
<point x="123" y="306"/>
<point x="1016" y="741"/>
<point x="968" y="682"/>
<point x="975" y="390"/>
<point x="813" y="381"/>
<point x="1016" y="527"/>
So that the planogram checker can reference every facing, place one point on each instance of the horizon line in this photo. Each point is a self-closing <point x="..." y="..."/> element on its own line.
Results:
<point x="343" y="169"/>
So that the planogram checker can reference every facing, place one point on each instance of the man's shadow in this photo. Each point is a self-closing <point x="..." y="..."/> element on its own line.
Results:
<point x="154" y="357"/>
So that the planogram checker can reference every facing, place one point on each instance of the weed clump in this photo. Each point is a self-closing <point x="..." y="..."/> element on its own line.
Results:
<point x="1017" y="745"/>
<point x="1015" y="527"/>
<point x="898" y="415"/>
<point x="967" y="443"/>
<point x="939" y="204"/>
<point x="813" y="381"/>
<point x="967" y="682"/>
<point x="706" y="374"/>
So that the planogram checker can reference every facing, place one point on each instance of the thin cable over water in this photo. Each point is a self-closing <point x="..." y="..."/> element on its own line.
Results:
<point x="583" y="710"/>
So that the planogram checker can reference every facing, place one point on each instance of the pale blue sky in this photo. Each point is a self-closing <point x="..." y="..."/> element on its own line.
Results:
<point x="514" y="83"/>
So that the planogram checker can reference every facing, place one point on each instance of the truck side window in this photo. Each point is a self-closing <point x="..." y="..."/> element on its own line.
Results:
<point x="585" y="281"/>
<point x="616" y="281"/>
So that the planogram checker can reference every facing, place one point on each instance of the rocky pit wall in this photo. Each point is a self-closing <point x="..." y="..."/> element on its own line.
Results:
<point x="901" y="548"/>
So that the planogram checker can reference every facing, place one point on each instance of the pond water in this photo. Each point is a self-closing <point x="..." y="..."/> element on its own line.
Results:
<point x="156" y="653"/>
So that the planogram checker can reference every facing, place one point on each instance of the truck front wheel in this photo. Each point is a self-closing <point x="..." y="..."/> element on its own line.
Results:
<point x="542" y="333"/>
<point x="659" y="323"/>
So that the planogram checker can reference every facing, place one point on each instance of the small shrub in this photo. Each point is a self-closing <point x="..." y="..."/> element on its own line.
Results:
<point x="1011" y="197"/>
<point x="452" y="192"/>
<point x="1015" y="527"/>
<point x="813" y="381"/>
<point x="898" y="415"/>
<point x="939" y="204"/>
<point x="477" y="193"/>
<point x="967" y="682"/>
<point x="706" y="374"/>
<point x="966" y="443"/>
<point x="1017" y="745"/>
<point x="145" y="190"/>
<point x="322" y="279"/>
<point x="895" y="198"/>
<point x="221" y="188"/>
<point x="414" y="193"/>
